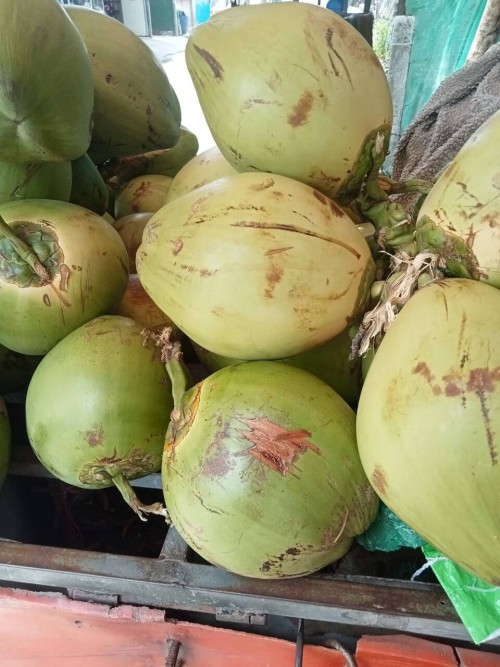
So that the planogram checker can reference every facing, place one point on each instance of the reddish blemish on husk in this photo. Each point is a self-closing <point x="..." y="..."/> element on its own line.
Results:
<point x="274" y="445"/>
<point x="321" y="197"/>
<point x="273" y="277"/>
<point x="177" y="246"/>
<point x="264" y="185"/>
<point x="379" y="481"/>
<point x="482" y="379"/>
<point x="213" y="63"/>
<point x="95" y="436"/>
<point x="142" y="190"/>
<point x="477" y="381"/>
<point x="423" y="369"/>
<point x="455" y="383"/>
<point x="64" y="273"/>
<point x="301" y="110"/>
<point x="451" y="388"/>
<point x="276" y="251"/>
<point x="217" y="461"/>
<point x="275" y="564"/>
<point x="336" y="210"/>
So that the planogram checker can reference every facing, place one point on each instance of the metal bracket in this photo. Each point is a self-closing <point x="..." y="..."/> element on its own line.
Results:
<point x="299" y="644"/>
<point x="172" y="648"/>
<point x="240" y="616"/>
<point x="87" y="596"/>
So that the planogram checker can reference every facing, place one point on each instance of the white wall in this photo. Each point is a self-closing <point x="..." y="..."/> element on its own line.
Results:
<point x="135" y="17"/>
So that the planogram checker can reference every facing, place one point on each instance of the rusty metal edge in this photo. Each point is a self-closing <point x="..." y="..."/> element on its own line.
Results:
<point x="173" y="583"/>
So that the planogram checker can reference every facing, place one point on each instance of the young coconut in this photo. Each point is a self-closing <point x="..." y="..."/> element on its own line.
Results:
<point x="104" y="423"/>
<point x="291" y="88"/>
<point x="88" y="188"/>
<point x="261" y="473"/>
<point x="138" y="305"/>
<point x="131" y="228"/>
<point x="330" y="362"/>
<point x="256" y="266"/>
<point x="457" y="230"/>
<point x="46" y="87"/>
<point x="428" y="421"/>
<point x="60" y="266"/>
<point x="143" y="194"/>
<point x="204" y="168"/>
<point x="165" y="161"/>
<point x="135" y="107"/>
<point x="459" y="219"/>
<point x="35" y="180"/>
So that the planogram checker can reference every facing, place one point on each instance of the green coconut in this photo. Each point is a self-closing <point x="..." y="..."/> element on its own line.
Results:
<point x="261" y="473"/>
<point x="293" y="89"/>
<point x="460" y="218"/>
<point x="329" y="362"/>
<point x="130" y="228"/>
<point x="46" y="88"/>
<point x="142" y="194"/>
<point x="104" y="423"/>
<point x="166" y="161"/>
<point x="36" y="180"/>
<point x="256" y="266"/>
<point x="204" y="168"/>
<point x="136" y="109"/>
<point x="88" y="187"/>
<point x="428" y="421"/>
<point x="60" y="266"/>
<point x="138" y="306"/>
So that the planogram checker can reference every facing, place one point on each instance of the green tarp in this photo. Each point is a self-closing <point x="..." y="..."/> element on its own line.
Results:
<point x="162" y="17"/>
<point x="444" y="31"/>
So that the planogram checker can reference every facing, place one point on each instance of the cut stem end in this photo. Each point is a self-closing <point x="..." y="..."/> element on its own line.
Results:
<point x="128" y="494"/>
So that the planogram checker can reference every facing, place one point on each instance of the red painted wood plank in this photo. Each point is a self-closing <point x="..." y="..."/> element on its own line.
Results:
<point x="470" y="658"/>
<point x="50" y="630"/>
<point x="403" y="651"/>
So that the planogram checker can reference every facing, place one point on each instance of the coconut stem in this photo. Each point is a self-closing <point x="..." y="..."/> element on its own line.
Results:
<point x="23" y="250"/>
<point x="128" y="494"/>
<point x="392" y="187"/>
<point x="179" y="378"/>
<point x="398" y="288"/>
<point x="171" y="355"/>
<point x="373" y="184"/>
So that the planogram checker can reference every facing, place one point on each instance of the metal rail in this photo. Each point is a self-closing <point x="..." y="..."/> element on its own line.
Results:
<point x="172" y="582"/>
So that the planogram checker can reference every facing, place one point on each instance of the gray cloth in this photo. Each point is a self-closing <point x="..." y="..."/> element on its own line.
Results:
<point x="461" y="103"/>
